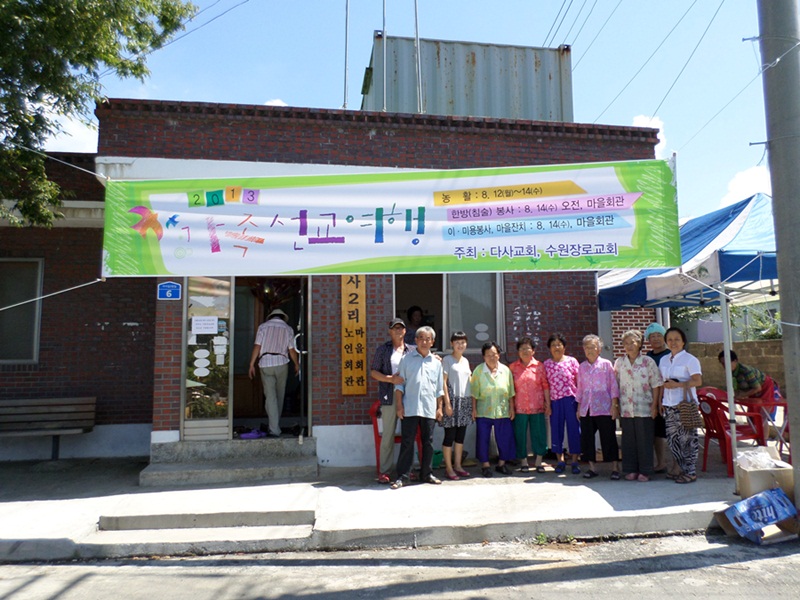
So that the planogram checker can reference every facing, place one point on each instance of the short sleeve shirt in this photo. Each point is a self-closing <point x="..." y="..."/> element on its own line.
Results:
<point x="423" y="384"/>
<point x="681" y="367"/>
<point x="636" y="383"/>
<point x="562" y="377"/>
<point x="492" y="392"/>
<point x="530" y="383"/>
<point x="458" y="375"/>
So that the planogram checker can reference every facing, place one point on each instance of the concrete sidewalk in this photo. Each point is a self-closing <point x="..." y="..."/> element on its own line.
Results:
<point x="81" y="509"/>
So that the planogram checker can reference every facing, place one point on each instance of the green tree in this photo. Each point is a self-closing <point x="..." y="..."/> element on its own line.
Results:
<point x="52" y="56"/>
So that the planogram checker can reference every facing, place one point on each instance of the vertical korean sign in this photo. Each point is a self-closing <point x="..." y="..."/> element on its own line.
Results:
<point x="354" y="336"/>
<point x="537" y="218"/>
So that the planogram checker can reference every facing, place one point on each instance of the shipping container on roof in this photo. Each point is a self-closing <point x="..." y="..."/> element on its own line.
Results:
<point x="470" y="79"/>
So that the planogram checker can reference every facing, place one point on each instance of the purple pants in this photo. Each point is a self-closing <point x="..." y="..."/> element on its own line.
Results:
<point x="565" y="411"/>
<point x="503" y="435"/>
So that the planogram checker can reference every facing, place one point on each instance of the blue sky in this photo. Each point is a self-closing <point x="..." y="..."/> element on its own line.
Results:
<point x="697" y="80"/>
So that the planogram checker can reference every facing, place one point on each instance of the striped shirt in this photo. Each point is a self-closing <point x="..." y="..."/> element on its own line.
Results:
<point x="275" y="338"/>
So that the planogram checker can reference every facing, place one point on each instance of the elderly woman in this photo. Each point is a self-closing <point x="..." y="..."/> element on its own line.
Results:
<point x="532" y="405"/>
<point x="654" y="334"/>
<point x="492" y="389"/>
<point x="639" y="382"/>
<point x="562" y="372"/>
<point x="682" y="375"/>
<point x="598" y="406"/>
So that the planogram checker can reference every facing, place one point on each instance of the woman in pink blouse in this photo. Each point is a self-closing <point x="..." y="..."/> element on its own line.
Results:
<point x="598" y="406"/>
<point x="562" y="373"/>
<point x="532" y="405"/>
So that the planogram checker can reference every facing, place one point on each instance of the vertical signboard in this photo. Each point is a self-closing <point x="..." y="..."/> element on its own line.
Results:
<point x="354" y="336"/>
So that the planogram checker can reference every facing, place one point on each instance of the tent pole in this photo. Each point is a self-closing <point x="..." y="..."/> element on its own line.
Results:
<point x="726" y="345"/>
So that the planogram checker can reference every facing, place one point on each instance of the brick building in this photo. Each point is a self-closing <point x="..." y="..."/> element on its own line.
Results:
<point x="114" y="340"/>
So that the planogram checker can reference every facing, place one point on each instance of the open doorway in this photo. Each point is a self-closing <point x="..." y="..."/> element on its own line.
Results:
<point x="425" y="292"/>
<point x="255" y="298"/>
<point x="469" y="302"/>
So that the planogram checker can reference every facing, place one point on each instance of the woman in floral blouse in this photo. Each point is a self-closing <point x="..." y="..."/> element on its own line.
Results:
<point x="532" y="405"/>
<point x="562" y="373"/>
<point x="639" y="380"/>
<point x="598" y="406"/>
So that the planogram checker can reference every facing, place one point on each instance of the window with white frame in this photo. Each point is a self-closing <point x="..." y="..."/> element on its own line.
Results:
<point x="472" y="301"/>
<point x="20" y="309"/>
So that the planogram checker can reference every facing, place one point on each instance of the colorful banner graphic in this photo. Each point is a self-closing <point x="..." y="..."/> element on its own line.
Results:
<point x="561" y="217"/>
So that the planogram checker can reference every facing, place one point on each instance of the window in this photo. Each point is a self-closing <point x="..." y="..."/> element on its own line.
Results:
<point x="20" y="281"/>
<point x="472" y="307"/>
<point x="470" y="302"/>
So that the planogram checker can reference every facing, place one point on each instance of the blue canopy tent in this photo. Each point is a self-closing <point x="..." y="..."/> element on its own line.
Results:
<point x="730" y="251"/>
<point x="732" y="247"/>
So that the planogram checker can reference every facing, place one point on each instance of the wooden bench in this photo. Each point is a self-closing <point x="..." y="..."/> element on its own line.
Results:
<point x="49" y="416"/>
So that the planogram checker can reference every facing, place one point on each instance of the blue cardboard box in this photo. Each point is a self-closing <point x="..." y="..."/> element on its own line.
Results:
<point x="755" y="518"/>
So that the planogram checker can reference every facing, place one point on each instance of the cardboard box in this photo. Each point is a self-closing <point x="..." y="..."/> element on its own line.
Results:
<point x="758" y="518"/>
<point x="752" y="481"/>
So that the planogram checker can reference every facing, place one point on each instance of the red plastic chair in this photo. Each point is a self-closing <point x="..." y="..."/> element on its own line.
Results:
<point x="373" y="413"/>
<point x="755" y="416"/>
<point x="715" y="418"/>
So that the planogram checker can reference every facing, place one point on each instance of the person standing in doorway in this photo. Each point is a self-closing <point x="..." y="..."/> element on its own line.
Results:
<point x="384" y="370"/>
<point x="415" y="320"/>
<point x="272" y="351"/>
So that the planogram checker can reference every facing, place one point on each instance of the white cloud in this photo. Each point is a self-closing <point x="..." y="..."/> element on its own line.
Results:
<point x="275" y="102"/>
<point x="76" y="137"/>
<point x="655" y="123"/>
<point x="746" y="183"/>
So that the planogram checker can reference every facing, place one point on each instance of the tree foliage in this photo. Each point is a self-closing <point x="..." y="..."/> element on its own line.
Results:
<point x="53" y="54"/>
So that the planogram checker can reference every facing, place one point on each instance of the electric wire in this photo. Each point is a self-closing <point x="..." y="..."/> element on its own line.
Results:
<point x="560" y="23"/>
<point x="688" y="60"/>
<point x="586" y="20"/>
<point x="574" y="21"/>
<point x="649" y="58"/>
<point x="2" y="308"/>
<point x="740" y="92"/>
<point x="547" y="37"/>
<point x="594" y="39"/>
<point x="150" y="50"/>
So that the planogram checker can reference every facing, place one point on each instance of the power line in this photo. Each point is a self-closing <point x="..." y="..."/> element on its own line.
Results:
<point x="577" y="35"/>
<point x="566" y="12"/>
<point x="180" y="37"/>
<point x="547" y="37"/>
<point x="649" y="58"/>
<point x="574" y="21"/>
<point x="686" y="64"/>
<point x="597" y="35"/>
<point x="740" y="92"/>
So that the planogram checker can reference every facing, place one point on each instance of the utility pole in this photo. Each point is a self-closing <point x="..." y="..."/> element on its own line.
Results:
<point x="779" y="35"/>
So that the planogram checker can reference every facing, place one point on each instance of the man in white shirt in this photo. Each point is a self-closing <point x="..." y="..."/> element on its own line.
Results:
<point x="272" y="351"/>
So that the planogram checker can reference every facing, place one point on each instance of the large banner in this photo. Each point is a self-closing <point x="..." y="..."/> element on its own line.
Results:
<point x="562" y="217"/>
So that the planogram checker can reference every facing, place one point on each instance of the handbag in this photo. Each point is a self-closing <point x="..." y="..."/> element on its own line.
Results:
<point x="689" y="412"/>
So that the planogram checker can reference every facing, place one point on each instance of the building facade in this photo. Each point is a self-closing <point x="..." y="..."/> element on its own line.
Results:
<point x="117" y="341"/>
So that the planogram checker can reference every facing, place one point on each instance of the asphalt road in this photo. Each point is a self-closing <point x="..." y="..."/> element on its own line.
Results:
<point x="686" y="567"/>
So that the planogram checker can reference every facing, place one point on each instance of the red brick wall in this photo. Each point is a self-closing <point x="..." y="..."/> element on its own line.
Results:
<point x="75" y="184"/>
<point x="96" y="340"/>
<point x="539" y="304"/>
<point x="304" y="135"/>
<point x="167" y="364"/>
<point x="624" y="320"/>
<point x="300" y="135"/>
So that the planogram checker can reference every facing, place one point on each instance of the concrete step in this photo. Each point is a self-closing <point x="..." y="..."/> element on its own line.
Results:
<point x="207" y="520"/>
<point x="214" y="450"/>
<point x="242" y="471"/>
